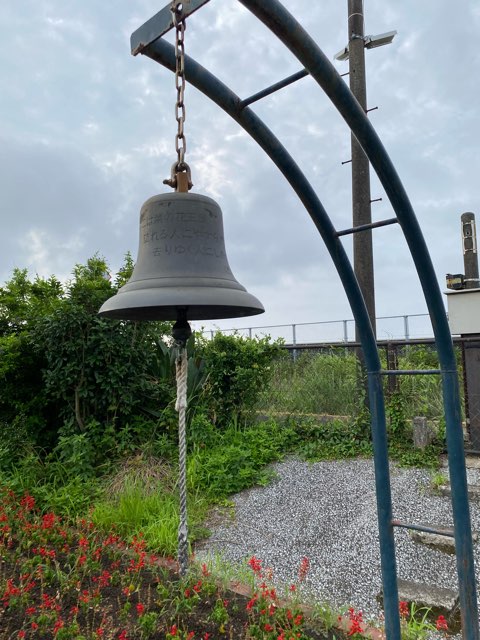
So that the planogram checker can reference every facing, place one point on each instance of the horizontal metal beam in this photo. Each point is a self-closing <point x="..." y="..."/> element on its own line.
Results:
<point x="366" y="227"/>
<point x="274" y="87"/>
<point x="160" y="24"/>
<point x="412" y="372"/>
<point x="449" y="533"/>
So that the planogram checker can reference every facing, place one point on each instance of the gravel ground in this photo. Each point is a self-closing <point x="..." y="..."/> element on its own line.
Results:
<point x="327" y="512"/>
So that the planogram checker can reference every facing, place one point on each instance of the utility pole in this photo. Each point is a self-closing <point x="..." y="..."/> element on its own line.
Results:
<point x="354" y="52"/>
<point x="361" y="207"/>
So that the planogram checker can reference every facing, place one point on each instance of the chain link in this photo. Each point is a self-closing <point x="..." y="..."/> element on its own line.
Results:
<point x="180" y="140"/>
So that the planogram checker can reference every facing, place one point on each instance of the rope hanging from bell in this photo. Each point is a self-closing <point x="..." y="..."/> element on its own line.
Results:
<point x="181" y="332"/>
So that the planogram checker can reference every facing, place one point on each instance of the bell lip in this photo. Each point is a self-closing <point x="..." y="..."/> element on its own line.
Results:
<point x="195" y="312"/>
<point x="202" y="303"/>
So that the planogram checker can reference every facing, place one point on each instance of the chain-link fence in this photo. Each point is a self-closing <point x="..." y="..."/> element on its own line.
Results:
<point x="470" y="349"/>
<point x="323" y="380"/>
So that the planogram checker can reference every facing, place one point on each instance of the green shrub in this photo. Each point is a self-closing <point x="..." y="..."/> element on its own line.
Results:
<point x="226" y="462"/>
<point x="238" y="369"/>
<point x="62" y="367"/>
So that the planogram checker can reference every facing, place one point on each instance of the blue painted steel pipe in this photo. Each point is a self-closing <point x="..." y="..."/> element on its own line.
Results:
<point x="291" y="33"/>
<point x="163" y="52"/>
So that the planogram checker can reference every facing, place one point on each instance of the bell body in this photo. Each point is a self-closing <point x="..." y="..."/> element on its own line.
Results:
<point x="181" y="265"/>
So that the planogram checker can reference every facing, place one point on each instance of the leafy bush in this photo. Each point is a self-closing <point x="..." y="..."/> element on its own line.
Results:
<point x="65" y="371"/>
<point x="333" y="439"/>
<point x="225" y="462"/>
<point x="238" y="370"/>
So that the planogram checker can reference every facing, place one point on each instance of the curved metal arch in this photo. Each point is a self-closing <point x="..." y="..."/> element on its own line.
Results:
<point x="274" y="15"/>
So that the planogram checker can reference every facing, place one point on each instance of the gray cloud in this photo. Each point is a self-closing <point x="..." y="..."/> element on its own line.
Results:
<point x="87" y="134"/>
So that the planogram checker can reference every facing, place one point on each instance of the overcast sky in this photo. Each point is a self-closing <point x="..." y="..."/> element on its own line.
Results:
<point x="87" y="135"/>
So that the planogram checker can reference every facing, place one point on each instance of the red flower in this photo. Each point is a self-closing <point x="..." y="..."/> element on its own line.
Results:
<point x="298" y="619"/>
<point x="205" y="572"/>
<point x="21" y="634"/>
<point x="442" y="624"/>
<point x="173" y="630"/>
<point x="268" y="627"/>
<point x="122" y="635"/>
<point x="58" y="625"/>
<point x="34" y="626"/>
<point x="140" y="609"/>
<point x="403" y="609"/>
<point x="49" y="520"/>
<point x="356" y="622"/>
<point x="27" y="502"/>
<point x="304" y="568"/>
<point x="255" y="564"/>
<point x="198" y="587"/>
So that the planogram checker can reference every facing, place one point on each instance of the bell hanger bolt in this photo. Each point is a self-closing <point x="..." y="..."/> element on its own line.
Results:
<point x="181" y="178"/>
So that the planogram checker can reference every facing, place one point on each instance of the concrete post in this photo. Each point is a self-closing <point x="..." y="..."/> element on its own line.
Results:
<point x="471" y="353"/>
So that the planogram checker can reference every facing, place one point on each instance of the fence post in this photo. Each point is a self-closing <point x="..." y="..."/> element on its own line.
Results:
<point x="250" y="332"/>
<point x="405" y="326"/>
<point x="345" y="330"/>
<point x="294" y="342"/>
<point x="392" y="364"/>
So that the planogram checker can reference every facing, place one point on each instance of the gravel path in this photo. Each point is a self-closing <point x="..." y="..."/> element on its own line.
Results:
<point x="327" y="512"/>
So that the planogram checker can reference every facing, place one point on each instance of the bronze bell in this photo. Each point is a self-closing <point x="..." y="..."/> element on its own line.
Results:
<point x="182" y="268"/>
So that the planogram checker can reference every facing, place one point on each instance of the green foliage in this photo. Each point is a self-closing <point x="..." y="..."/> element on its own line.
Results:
<point x="23" y="403"/>
<point x="316" y="383"/>
<point x="333" y="439"/>
<point x="396" y="421"/>
<point x="163" y="371"/>
<point x="135" y="510"/>
<point x="96" y="369"/>
<point x="403" y="452"/>
<point x="238" y="370"/>
<point x="52" y="484"/>
<point x="225" y="462"/>
<point x="66" y="372"/>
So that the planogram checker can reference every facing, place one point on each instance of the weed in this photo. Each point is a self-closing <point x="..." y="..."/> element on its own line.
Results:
<point x="438" y="480"/>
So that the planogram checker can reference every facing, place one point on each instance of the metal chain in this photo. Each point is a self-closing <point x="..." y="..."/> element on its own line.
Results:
<point x="181" y="178"/>
<point x="180" y="26"/>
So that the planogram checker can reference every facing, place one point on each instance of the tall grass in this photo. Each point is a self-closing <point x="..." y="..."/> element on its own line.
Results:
<point x="327" y="383"/>
<point x="316" y="383"/>
<point x="134" y="505"/>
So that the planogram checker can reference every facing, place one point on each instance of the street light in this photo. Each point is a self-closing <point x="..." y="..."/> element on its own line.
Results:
<point x="370" y="42"/>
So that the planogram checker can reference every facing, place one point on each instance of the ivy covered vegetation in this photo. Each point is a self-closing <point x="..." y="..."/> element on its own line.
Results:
<point x="88" y="422"/>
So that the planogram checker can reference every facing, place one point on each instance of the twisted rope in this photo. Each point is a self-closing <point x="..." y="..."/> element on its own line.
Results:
<point x="180" y="406"/>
